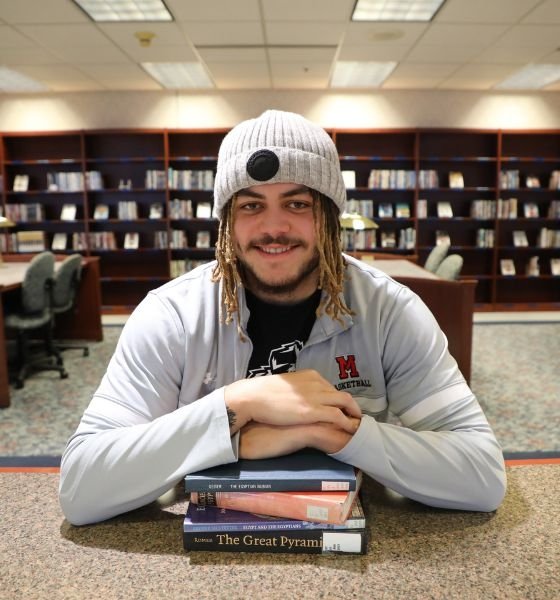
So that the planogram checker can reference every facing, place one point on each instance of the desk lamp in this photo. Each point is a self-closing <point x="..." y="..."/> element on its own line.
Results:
<point x="354" y="222"/>
<point x="5" y="223"/>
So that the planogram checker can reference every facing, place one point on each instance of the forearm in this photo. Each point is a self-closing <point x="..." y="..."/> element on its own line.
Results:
<point x="448" y="469"/>
<point x="108" y="468"/>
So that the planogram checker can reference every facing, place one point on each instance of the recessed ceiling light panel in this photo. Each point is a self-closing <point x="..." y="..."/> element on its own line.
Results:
<point x="531" y="77"/>
<point x="125" y="10"/>
<point x="12" y="81"/>
<point x="358" y="74"/>
<point x="396" y="10"/>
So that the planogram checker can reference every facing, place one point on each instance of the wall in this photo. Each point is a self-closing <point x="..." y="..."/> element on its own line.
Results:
<point x="379" y="109"/>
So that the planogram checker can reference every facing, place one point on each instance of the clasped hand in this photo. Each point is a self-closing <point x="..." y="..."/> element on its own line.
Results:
<point x="279" y="414"/>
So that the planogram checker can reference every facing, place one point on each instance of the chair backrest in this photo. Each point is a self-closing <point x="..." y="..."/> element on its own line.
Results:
<point x="66" y="280"/>
<point x="35" y="293"/>
<point x="450" y="267"/>
<point x="437" y="254"/>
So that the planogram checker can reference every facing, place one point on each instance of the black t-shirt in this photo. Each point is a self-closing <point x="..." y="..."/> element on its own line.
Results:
<point x="278" y="333"/>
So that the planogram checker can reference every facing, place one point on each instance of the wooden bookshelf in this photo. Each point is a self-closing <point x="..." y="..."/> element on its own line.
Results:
<point x="406" y="167"/>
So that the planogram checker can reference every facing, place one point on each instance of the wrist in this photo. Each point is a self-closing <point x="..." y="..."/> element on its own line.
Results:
<point x="236" y="408"/>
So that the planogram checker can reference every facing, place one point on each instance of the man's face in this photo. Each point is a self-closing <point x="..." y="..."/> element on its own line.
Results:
<point x="275" y="241"/>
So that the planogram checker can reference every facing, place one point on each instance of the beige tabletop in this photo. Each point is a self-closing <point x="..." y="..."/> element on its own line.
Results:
<point x="414" y="552"/>
<point x="13" y="273"/>
<point x="402" y="268"/>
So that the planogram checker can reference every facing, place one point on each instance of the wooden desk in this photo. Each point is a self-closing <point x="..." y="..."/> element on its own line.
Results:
<point x="451" y="303"/>
<point x="414" y="552"/>
<point x="84" y="322"/>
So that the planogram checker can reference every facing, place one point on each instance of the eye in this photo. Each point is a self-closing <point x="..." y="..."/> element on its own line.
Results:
<point x="300" y="205"/>
<point x="249" y="206"/>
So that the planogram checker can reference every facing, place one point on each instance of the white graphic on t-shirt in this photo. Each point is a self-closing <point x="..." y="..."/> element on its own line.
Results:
<point x="280" y="360"/>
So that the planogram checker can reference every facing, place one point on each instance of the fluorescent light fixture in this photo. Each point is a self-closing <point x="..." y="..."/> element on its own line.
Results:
<point x="125" y="10"/>
<point x="531" y="77"/>
<point x="396" y="10"/>
<point x="12" y="81"/>
<point x="176" y="76"/>
<point x="356" y="74"/>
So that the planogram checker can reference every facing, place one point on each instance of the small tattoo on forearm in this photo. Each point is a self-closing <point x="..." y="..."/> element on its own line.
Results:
<point x="232" y="417"/>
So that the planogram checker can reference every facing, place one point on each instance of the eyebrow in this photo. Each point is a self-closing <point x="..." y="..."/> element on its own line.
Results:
<point x="302" y="189"/>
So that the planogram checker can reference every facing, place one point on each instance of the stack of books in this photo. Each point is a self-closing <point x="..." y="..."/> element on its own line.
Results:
<point x="305" y="502"/>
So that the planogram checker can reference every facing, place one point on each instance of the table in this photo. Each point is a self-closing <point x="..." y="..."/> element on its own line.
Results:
<point x="83" y="322"/>
<point x="451" y="303"/>
<point x="414" y="552"/>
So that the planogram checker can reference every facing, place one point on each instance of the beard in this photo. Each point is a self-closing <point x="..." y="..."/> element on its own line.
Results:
<point x="283" y="287"/>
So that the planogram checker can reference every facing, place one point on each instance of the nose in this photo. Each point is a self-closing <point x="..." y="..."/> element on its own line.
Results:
<point x="274" y="222"/>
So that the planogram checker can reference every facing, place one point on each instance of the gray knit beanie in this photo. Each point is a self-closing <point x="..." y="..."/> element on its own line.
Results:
<point x="278" y="147"/>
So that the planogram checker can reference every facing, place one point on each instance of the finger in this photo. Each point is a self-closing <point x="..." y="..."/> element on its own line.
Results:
<point x="330" y="414"/>
<point x="344" y="401"/>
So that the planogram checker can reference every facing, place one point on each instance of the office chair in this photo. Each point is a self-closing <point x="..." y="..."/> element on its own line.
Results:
<point x="450" y="267"/>
<point x="437" y="254"/>
<point x="35" y="314"/>
<point x="65" y="289"/>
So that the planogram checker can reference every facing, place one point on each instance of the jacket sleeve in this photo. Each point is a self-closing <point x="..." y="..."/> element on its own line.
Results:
<point x="133" y="443"/>
<point x="445" y="453"/>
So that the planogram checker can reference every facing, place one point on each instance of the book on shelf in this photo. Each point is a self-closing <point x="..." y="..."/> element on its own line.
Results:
<point x="59" y="241"/>
<point x="402" y="210"/>
<point x="442" y="237"/>
<point x="304" y="541"/>
<point x="131" y="241"/>
<point x="422" y="208"/>
<point x="203" y="239"/>
<point x="444" y="210"/>
<point x="507" y="266"/>
<point x="533" y="269"/>
<point x="532" y="181"/>
<point x="203" y="210"/>
<point x="326" y="507"/>
<point x="531" y="210"/>
<point x="101" y="212"/>
<point x="156" y="211"/>
<point x="349" y="178"/>
<point x="68" y="212"/>
<point x="30" y="241"/>
<point x="385" y="210"/>
<point x="388" y="239"/>
<point x="212" y="518"/>
<point x="21" y="183"/>
<point x="456" y="180"/>
<point x="555" y="266"/>
<point x="520" y="239"/>
<point x="305" y="470"/>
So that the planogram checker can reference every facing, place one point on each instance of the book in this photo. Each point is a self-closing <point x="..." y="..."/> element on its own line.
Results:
<point x="307" y="470"/>
<point x="349" y="178"/>
<point x="68" y="212"/>
<point x="456" y="179"/>
<point x="507" y="266"/>
<point x="21" y="183"/>
<point x="101" y="212"/>
<point x="422" y="208"/>
<point x="212" y="518"/>
<point x="555" y="266"/>
<point x="444" y="210"/>
<point x="305" y="541"/>
<point x="30" y="241"/>
<point x="59" y="241"/>
<point x="533" y="269"/>
<point x="385" y="210"/>
<point x="203" y="210"/>
<point x="203" y="239"/>
<point x="532" y="181"/>
<point x="131" y="241"/>
<point x="530" y="210"/>
<point x="402" y="210"/>
<point x="327" y="507"/>
<point x="156" y="211"/>
<point x="442" y="237"/>
<point x="520" y="238"/>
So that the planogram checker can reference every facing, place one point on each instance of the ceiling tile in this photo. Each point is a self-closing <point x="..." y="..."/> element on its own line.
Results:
<point x="94" y="54"/>
<point x="384" y="34"/>
<point x="11" y="38"/>
<point x="43" y="11"/>
<point x="233" y="54"/>
<point x="544" y="36"/>
<point x="304" y="76"/>
<point x="375" y="52"/>
<point x="124" y="77"/>
<point x="228" y="10"/>
<point x="308" y="10"/>
<point x="222" y="33"/>
<point x="509" y="55"/>
<point x="61" y="78"/>
<point x="123" y="34"/>
<point x="421" y="76"/>
<point x="243" y="76"/>
<point x="484" y="11"/>
<point x="424" y="53"/>
<point x="481" y="77"/>
<point x="463" y="35"/>
<point x="545" y="13"/>
<point x="28" y="56"/>
<point x="301" y="54"/>
<point x="303" y="34"/>
<point x="65" y="36"/>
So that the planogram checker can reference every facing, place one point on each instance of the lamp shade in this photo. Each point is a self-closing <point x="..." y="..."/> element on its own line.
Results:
<point x="356" y="221"/>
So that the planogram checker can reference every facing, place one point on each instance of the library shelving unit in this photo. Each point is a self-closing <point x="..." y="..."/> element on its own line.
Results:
<point x="141" y="200"/>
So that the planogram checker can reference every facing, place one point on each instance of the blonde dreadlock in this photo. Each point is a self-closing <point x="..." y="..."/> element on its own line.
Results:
<point x="331" y="262"/>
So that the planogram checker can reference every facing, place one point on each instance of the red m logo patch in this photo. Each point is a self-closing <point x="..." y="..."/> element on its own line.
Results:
<point x="347" y="366"/>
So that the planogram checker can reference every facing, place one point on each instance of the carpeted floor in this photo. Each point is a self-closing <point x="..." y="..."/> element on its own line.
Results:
<point x="515" y="375"/>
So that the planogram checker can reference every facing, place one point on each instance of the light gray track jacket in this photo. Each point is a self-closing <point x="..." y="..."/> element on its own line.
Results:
<point x="159" y="411"/>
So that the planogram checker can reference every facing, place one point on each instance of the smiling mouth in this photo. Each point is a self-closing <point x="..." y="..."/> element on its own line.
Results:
<point x="275" y="250"/>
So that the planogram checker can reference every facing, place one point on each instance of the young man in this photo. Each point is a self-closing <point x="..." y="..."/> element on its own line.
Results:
<point x="280" y="344"/>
